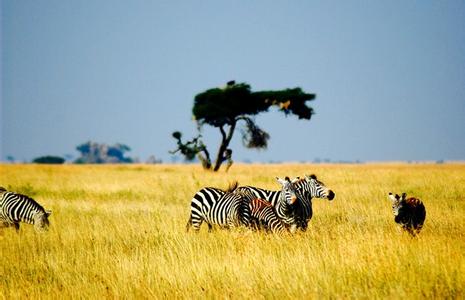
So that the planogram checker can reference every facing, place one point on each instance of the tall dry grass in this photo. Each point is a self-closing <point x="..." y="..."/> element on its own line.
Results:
<point x="119" y="231"/>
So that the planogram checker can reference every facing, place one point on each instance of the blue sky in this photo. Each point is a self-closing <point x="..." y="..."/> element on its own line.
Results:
<point x="389" y="75"/>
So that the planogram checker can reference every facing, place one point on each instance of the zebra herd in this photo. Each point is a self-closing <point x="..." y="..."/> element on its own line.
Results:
<point x="285" y="210"/>
<point x="289" y="208"/>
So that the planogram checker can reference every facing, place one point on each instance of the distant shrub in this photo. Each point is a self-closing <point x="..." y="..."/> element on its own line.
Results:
<point x="96" y="153"/>
<point x="49" y="160"/>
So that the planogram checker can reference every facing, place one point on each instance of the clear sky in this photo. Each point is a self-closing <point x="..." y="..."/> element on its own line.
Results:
<point x="389" y="75"/>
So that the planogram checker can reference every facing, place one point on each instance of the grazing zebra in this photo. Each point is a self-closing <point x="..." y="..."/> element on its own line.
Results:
<point x="410" y="213"/>
<point x="284" y="201"/>
<point x="218" y="207"/>
<point x="263" y="213"/>
<point x="16" y="208"/>
<point x="306" y="188"/>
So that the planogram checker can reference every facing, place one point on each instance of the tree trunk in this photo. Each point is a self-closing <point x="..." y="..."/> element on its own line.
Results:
<point x="226" y="139"/>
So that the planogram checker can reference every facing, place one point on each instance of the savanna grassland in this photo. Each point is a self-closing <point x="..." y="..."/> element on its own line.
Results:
<point x="119" y="231"/>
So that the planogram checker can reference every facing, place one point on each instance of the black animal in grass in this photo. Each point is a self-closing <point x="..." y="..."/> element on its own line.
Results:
<point x="16" y="208"/>
<point x="410" y="212"/>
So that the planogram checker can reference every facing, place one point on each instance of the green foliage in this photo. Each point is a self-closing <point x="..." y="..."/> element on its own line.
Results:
<point x="221" y="106"/>
<point x="290" y="101"/>
<point x="254" y="137"/>
<point x="49" y="159"/>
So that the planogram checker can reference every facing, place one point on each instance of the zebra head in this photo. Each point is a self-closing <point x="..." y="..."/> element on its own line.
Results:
<point x="314" y="188"/>
<point x="288" y="191"/>
<point x="41" y="222"/>
<point x="397" y="202"/>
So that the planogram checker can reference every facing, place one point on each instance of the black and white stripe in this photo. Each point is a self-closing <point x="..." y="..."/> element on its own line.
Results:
<point x="264" y="215"/>
<point x="16" y="208"/>
<point x="217" y="207"/>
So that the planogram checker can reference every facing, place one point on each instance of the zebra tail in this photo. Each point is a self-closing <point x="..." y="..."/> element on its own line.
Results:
<point x="232" y="187"/>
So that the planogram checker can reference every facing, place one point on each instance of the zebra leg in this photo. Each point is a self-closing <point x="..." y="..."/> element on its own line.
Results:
<point x="293" y="228"/>
<point x="195" y="223"/>
<point x="189" y="224"/>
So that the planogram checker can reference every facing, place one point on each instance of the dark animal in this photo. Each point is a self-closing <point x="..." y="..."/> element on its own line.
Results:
<point x="410" y="213"/>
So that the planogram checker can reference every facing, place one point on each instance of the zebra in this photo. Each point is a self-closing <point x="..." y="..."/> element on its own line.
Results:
<point x="410" y="213"/>
<point x="16" y="208"/>
<point x="307" y="188"/>
<point x="263" y="213"/>
<point x="284" y="200"/>
<point x="218" y="207"/>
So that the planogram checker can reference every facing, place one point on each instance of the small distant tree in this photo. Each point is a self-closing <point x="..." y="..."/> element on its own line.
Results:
<point x="95" y="153"/>
<point x="224" y="108"/>
<point x="152" y="159"/>
<point x="48" y="159"/>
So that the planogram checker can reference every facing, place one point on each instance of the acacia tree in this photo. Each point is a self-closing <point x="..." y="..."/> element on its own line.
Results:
<point x="224" y="108"/>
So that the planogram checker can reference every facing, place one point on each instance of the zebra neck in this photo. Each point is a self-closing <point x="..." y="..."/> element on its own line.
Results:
<point x="29" y="217"/>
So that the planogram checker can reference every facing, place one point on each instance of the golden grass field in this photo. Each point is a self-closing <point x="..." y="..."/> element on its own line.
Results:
<point x="119" y="232"/>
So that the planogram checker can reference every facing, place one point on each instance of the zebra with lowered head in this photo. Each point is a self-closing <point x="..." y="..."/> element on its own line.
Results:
<point x="264" y="215"/>
<point x="284" y="200"/>
<point x="218" y="207"/>
<point x="16" y="208"/>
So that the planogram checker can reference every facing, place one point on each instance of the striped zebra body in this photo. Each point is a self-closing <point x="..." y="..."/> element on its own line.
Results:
<point x="409" y="213"/>
<point x="217" y="207"/>
<point x="17" y="208"/>
<point x="264" y="214"/>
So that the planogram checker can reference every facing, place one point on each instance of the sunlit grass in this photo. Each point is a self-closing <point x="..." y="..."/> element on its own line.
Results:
<point x="119" y="231"/>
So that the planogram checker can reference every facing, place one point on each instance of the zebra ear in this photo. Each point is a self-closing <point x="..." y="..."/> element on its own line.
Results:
<point x="391" y="196"/>
<point x="404" y="195"/>
<point x="313" y="176"/>
<point x="48" y="212"/>
<point x="281" y="181"/>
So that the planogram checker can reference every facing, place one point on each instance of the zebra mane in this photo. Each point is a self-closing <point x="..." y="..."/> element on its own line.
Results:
<point x="232" y="187"/>
<point x="2" y="189"/>
<point x="299" y="180"/>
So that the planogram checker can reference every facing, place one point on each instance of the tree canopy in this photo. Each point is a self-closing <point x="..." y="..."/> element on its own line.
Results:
<point x="221" y="106"/>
